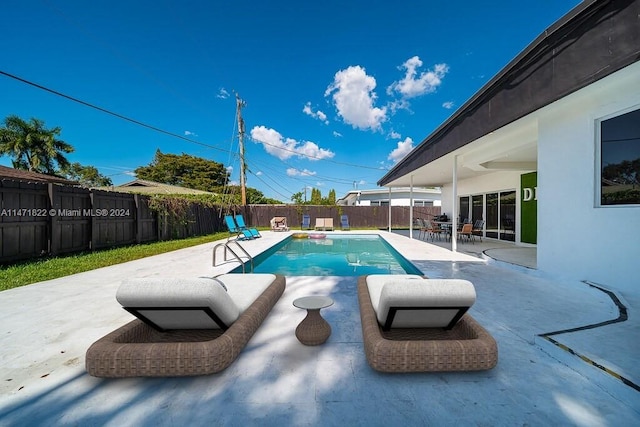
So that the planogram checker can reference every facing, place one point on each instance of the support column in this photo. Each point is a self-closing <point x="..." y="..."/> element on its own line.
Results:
<point x="389" y="209"/>
<point x="411" y="208"/>
<point x="454" y="213"/>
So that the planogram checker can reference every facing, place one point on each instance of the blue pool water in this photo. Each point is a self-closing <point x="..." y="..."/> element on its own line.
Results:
<point x="336" y="255"/>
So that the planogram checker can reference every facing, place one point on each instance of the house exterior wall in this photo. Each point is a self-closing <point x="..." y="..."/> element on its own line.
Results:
<point x="398" y="198"/>
<point x="577" y="239"/>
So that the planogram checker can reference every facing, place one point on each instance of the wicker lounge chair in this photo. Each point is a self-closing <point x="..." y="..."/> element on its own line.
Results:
<point x="461" y="345"/>
<point x="213" y="340"/>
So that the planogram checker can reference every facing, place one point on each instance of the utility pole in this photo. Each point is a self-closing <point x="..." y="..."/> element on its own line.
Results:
<point x="239" y="105"/>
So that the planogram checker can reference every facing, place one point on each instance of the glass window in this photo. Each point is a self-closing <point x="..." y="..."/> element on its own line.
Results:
<point x="464" y="210"/>
<point x="476" y="208"/>
<point x="620" y="160"/>
<point x="508" y="215"/>
<point x="492" y="215"/>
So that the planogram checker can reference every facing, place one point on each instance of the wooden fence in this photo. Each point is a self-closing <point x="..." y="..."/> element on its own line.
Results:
<point x="49" y="219"/>
<point x="40" y="219"/>
<point x="359" y="216"/>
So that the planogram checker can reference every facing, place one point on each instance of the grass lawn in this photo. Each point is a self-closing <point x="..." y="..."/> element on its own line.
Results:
<point x="25" y="273"/>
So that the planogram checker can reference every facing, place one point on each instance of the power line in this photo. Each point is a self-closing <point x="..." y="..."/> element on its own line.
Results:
<point x="165" y="132"/>
<point x="104" y="110"/>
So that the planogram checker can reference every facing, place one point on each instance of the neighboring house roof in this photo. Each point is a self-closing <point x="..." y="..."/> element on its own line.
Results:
<point x="592" y="41"/>
<point x="23" y="175"/>
<point x="142" y="186"/>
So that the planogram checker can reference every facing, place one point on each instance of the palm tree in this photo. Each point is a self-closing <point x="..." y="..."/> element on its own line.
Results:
<point x="32" y="146"/>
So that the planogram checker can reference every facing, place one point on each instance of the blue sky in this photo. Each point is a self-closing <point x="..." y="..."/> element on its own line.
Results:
<point x="336" y="92"/>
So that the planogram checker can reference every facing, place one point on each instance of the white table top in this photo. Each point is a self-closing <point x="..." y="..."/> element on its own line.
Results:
<point x="313" y="302"/>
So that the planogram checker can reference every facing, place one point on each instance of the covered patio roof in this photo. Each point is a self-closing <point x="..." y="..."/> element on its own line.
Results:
<point x="594" y="40"/>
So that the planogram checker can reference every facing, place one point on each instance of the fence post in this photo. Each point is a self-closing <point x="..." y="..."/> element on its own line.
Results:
<point x="54" y="244"/>
<point x="136" y="200"/>
<point x="95" y="235"/>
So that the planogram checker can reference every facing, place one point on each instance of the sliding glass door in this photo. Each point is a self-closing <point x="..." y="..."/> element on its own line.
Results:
<point x="501" y="215"/>
<point x="508" y="215"/>
<point x="477" y="207"/>
<point x="464" y="210"/>
<point x="492" y="224"/>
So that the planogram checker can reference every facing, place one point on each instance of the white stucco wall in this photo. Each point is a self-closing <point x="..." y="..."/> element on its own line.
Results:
<point x="576" y="238"/>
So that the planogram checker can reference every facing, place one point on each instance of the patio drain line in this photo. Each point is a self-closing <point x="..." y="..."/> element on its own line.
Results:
<point x="622" y="316"/>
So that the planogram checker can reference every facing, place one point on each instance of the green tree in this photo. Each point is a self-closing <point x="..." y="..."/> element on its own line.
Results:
<point x="184" y="170"/>
<point x="296" y="198"/>
<point x="88" y="176"/>
<point x="331" y="198"/>
<point x="232" y="195"/>
<point x="316" y="196"/>
<point x="33" y="146"/>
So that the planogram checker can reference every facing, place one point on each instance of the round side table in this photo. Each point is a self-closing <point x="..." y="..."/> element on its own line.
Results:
<point x="313" y="330"/>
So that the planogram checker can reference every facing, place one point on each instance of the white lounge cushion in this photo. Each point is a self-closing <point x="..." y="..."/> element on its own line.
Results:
<point x="244" y="289"/>
<point x="158" y="293"/>
<point x="376" y="282"/>
<point x="434" y="294"/>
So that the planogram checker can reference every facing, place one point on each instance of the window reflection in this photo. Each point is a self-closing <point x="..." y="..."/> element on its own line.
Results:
<point x="620" y="160"/>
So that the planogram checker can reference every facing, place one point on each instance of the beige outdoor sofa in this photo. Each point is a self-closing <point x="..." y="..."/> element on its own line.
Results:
<point x="324" y="224"/>
<point x="413" y="324"/>
<point x="184" y="326"/>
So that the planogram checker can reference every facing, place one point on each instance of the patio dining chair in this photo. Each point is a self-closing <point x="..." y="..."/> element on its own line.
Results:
<point x="423" y="228"/>
<point x="466" y="232"/>
<point x="434" y="229"/>
<point x="478" y="228"/>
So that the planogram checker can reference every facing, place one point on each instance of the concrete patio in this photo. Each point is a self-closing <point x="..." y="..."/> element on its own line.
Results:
<point x="47" y="327"/>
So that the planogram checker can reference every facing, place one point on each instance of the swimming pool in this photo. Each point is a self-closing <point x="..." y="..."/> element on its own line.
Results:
<point x="335" y="255"/>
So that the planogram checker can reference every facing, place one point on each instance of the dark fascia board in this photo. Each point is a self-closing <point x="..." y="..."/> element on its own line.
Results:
<point x="593" y="40"/>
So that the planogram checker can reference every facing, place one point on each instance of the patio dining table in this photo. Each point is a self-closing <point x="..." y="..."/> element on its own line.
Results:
<point x="445" y="226"/>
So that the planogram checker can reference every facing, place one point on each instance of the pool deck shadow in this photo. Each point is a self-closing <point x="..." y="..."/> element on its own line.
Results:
<point x="48" y="326"/>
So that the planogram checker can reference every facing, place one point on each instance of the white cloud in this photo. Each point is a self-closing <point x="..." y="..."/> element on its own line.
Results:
<point x="222" y="93"/>
<point x="283" y="148"/>
<point x="354" y="98"/>
<point x="259" y="173"/>
<point x="298" y="172"/>
<point x="398" y="104"/>
<point x="448" y="105"/>
<point x="337" y="134"/>
<point x="403" y="148"/>
<point x="230" y="169"/>
<point x="315" y="114"/>
<point x="189" y="133"/>
<point x="394" y="135"/>
<point x="414" y="84"/>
